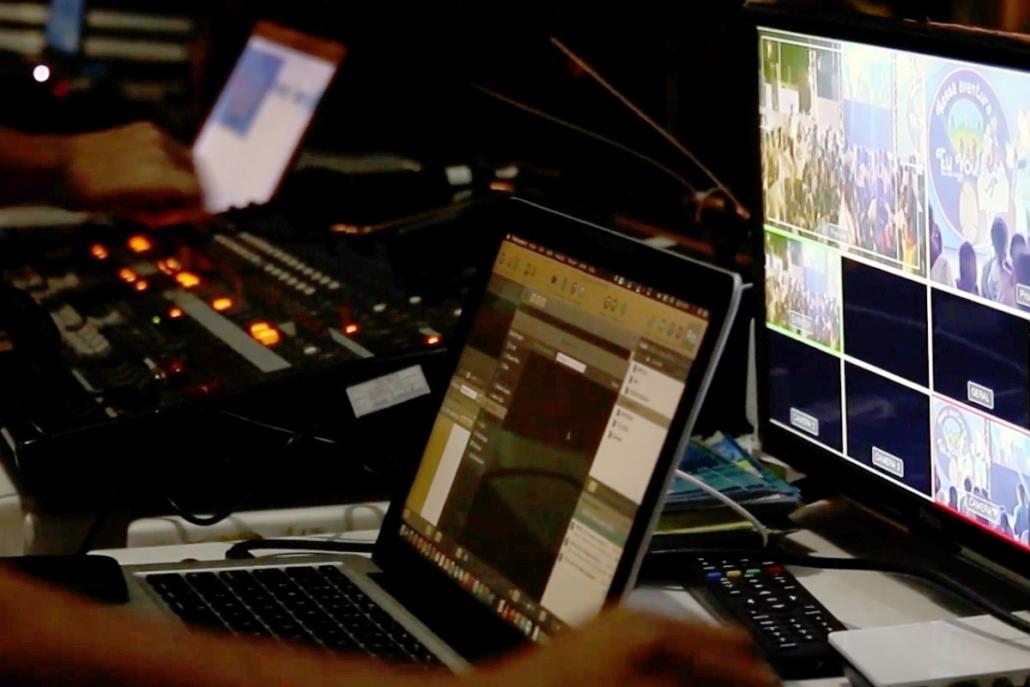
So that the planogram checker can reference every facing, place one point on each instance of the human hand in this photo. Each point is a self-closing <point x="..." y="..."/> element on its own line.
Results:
<point x="625" y="648"/>
<point x="134" y="170"/>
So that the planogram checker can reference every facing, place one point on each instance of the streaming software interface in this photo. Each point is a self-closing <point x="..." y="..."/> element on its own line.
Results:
<point x="549" y="435"/>
<point x="260" y="117"/>
<point x="897" y="208"/>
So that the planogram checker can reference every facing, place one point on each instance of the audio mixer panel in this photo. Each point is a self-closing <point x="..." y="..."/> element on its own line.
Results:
<point x="100" y="324"/>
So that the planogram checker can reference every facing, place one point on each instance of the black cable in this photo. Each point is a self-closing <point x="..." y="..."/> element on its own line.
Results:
<point x="585" y="132"/>
<point x="303" y="435"/>
<point x="205" y="520"/>
<point x="278" y="428"/>
<point x="228" y="509"/>
<point x="243" y="549"/>
<point x="96" y="527"/>
<point x="934" y="578"/>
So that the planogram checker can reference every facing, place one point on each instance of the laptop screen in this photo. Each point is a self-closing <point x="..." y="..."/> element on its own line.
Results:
<point x="264" y="110"/>
<point x="64" y="26"/>
<point x="549" y="434"/>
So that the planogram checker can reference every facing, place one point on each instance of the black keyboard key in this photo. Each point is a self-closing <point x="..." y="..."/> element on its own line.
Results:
<point x="313" y="605"/>
<point x="342" y="643"/>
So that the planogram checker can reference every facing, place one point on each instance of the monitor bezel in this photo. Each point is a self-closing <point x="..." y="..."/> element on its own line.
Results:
<point x="698" y="283"/>
<point x="919" y="516"/>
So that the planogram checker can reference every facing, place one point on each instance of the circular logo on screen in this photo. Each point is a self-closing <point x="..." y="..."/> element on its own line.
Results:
<point x="953" y="436"/>
<point x="968" y="137"/>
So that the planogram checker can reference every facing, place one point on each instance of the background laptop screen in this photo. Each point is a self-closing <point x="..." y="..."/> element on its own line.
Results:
<point x="64" y="26"/>
<point x="897" y="206"/>
<point x="549" y="434"/>
<point x="260" y="117"/>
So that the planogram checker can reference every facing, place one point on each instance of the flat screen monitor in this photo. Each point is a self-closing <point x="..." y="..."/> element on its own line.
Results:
<point x="257" y="124"/>
<point x="894" y="337"/>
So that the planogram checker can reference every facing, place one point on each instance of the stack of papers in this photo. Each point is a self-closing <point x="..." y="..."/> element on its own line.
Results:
<point x="724" y="465"/>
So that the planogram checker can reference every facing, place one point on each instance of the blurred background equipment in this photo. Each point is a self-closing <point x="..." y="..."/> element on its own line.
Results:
<point x="436" y="111"/>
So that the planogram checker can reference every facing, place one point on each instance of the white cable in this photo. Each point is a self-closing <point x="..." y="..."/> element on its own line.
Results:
<point x="762" y="530"/>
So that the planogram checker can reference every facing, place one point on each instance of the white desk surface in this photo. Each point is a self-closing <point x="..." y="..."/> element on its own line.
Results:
<point x="858" y="599"/>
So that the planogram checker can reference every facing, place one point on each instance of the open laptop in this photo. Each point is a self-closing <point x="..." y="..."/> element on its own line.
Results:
<point x="582" y="362"/>
<point x="255" y="129"/>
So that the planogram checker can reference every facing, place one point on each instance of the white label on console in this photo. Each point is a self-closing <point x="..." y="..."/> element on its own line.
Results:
<point x="980" y="395"/>
<point x="888" y="462"/>
<point x="804" y="422"/>
<point x="387" y="391"/>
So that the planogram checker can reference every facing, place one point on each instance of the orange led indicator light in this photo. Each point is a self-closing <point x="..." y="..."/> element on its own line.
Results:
<point x="265" y="333"/>
<point x="169" y="266"/>
<point x="127" y="275"/>
<point x="140" y="243"/>
<point x="187" y="280"/>
<point x="433" y="340"/>
<point x="222" y="304"/>
<point x="99" y="251"/>
<point x="351" y="329"/>
<point x="141" y="285"/>
<point x="175" y="313"/>
<point x="502" y="186"/>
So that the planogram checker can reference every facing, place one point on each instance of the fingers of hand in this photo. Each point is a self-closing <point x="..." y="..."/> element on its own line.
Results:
<point x="716" y="664"/>
<point x="696" y="654"/>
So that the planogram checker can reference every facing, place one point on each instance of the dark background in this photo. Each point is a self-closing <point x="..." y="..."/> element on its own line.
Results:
<point x="405" y="86"/>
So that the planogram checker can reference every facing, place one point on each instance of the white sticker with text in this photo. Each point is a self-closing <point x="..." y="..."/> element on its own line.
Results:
<point x="387" y="391"/>
<point x="804" y="422"/>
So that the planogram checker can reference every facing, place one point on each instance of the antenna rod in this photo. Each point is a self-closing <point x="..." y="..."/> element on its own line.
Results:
<point x="585" y="66"/>
<point x="584" y="131"/>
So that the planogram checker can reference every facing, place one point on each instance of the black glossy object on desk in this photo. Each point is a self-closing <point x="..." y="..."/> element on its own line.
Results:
<point x="789" y="624"/>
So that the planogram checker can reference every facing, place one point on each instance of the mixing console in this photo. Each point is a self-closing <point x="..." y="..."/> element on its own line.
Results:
<point x="104" y="324"/>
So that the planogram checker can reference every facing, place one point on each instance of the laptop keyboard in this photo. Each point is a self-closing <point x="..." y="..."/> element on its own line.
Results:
<point x="315" y="605"/>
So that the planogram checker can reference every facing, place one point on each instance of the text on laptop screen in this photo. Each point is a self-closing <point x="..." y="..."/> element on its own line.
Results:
<point x="897" y="206"/>
<point x="549" y="435"/>
<point x="258" y="121"/>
